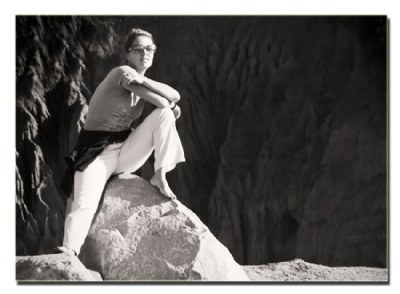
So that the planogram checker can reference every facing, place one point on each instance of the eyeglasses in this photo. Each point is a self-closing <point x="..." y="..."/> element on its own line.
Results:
<point x="140" y="49"/>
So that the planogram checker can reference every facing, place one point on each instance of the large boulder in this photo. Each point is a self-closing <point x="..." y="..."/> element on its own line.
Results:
<point x="138" y="234"/>
<point x="53" y="267"/>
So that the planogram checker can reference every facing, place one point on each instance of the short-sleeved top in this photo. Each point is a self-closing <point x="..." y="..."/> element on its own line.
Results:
<point x="113" y="107"/>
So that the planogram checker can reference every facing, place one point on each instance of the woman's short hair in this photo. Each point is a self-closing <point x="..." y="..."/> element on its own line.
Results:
<point x="133" y="34"/>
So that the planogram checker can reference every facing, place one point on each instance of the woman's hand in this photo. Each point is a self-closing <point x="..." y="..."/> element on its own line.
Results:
<point x="177" y="112"/>
<point x="132" y="77"/>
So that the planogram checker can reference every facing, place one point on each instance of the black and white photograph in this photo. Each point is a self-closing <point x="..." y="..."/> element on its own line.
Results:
<point x="202" y="149"/>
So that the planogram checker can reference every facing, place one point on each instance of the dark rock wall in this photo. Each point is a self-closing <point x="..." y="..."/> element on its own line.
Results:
<point x="50" y="105"/>
<point x="284" y="127"/>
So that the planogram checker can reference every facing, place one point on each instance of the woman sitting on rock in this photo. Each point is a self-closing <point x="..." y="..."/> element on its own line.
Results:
<point x="108" y="145"/>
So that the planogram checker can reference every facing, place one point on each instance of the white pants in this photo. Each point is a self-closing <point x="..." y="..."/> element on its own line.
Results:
<point x="157" y="132"/>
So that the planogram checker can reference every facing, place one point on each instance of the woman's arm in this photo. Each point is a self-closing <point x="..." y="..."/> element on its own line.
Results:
<point x="146" y="93"/>
<point x="132" y="76"/>
<point x="164" y="90"/>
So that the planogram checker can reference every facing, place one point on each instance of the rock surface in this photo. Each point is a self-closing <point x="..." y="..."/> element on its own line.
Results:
<point x="138" y="234"/>
<point x="58" y="267"/>
<point x="299" y="271"/>
<point x="53" y="267"/>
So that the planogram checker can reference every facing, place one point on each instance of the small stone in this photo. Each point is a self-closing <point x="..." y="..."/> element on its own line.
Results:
<point x="53" y="267"/>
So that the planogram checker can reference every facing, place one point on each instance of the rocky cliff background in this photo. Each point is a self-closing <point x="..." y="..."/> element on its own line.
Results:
<point x="284" y="126"/>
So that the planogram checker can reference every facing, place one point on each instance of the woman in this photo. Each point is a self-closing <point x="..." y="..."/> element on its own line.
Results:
<point x="108" y="145"/>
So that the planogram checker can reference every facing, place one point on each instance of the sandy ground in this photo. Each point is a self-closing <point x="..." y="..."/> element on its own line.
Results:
<point x="300" y="271"/>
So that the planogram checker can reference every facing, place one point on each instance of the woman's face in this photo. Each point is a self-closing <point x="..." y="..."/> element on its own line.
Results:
<point x="141" y="53"/>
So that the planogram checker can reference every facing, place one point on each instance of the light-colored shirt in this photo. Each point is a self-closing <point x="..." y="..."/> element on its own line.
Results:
<point x="112" y="107"/>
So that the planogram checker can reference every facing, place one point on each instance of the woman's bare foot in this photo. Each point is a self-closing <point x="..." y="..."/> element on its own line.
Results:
<point x="160" y="181"/>
<point x="64" y="250"/>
